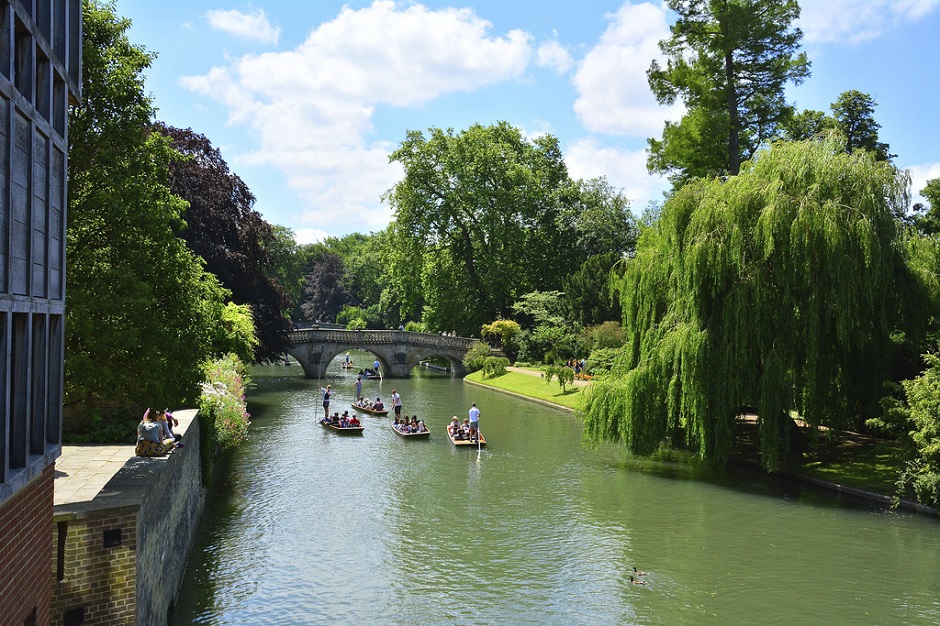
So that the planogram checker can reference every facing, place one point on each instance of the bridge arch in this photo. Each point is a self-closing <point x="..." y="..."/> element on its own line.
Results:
<point x="397" y="351"/>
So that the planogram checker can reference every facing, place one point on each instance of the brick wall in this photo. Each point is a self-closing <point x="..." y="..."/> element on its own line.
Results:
<point x="25" y="530"/>
<point x="122" y="557"/>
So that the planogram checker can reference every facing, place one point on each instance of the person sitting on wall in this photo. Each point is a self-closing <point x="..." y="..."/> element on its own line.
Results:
<point x="150" y="440"/>
<point x="171" y="424"/>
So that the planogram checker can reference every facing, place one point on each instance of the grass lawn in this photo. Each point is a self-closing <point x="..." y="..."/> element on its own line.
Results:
<point x="531" y="387"/>
<point x="871" y="464"/>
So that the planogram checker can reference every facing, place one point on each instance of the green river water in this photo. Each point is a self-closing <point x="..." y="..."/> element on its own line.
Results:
<point x="310" y="527"/>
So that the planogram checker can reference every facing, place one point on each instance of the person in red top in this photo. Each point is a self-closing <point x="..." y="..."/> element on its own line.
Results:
<point x="354" y="421"/>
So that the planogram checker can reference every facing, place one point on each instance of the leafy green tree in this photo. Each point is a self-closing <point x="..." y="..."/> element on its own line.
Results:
<point x="287" y="263"/>
<point x="494" y="366"/>
<point x="565" y="375"/>
<point x="729" y="61"/>
<point x="807" y="124"/>
<point x="507" y="332"/>
<point x="223" y="228"/>
<point x="476" y="223"/>
<point x="599" y="218"/>
<point x="588" y="295"/>
<point x="362" y="256"/>
<point x="927" y="219"/>
<point x="854" y="117"/>
<point x="922" y="472"/>
<point x="475" y="357"/>
<point x="764" y="290"/>
<point x="141" y="311"/>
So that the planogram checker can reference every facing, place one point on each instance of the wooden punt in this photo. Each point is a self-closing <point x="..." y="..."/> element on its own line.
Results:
<point x="349" y="430"/>
<point x="425" y="435"/>
<point x="465" y="442"/>
<point x="363" y="409"/>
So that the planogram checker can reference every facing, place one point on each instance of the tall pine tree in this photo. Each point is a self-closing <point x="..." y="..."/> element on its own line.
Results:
<point x="729" y="62"/>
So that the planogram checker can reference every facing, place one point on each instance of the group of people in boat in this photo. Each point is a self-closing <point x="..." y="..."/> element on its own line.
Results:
<point x="369" y="405"/>
<point x="462" y="432"/>
<point x="409" y="427"/>
<point x="342" y="421"/>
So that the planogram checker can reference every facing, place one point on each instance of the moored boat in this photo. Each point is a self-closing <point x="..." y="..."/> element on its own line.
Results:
<point x="465" y="442"/>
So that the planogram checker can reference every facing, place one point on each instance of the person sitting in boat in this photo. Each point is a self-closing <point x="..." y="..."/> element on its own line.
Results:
<point x="335" y="419"/>
<point x="454" y="426"/>
<point x="378" y="405"/>
<point x="354" y="421"/>
<point x="421" y="427"/>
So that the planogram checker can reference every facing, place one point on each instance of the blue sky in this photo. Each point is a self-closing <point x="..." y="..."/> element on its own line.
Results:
<point x="306" y="98"/>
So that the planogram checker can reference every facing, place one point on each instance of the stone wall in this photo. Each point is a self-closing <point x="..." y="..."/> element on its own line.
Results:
<point x="120" y="558"/>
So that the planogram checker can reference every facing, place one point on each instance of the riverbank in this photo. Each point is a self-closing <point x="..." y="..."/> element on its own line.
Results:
<point x="865" y="467"/>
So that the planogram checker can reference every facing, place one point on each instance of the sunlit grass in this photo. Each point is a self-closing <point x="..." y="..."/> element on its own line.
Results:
<point x="531" y="387"/>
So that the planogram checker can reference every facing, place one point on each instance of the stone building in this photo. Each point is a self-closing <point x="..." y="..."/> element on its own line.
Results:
<point x="40" y="74"/>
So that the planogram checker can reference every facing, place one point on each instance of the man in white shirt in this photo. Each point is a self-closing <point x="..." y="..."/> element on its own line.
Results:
<point x="474" y="422"/>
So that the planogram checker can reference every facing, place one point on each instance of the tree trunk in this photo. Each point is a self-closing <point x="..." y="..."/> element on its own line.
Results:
<point x="734" y="152"/>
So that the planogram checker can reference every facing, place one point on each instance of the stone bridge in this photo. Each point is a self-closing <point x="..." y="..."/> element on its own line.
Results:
<point x="397" y="351"/>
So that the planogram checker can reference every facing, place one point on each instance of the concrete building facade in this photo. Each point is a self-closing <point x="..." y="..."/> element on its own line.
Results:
<point x="40" y="75"/>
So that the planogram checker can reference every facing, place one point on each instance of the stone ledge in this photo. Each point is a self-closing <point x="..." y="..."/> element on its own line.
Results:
<point x="128" y="487"/>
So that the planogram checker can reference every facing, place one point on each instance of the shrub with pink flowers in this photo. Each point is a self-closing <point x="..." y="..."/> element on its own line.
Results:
<point x="223" y="411"/>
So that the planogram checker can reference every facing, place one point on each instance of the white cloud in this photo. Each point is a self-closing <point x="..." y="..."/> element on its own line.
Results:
<point x="312" y="107"/>
<point x="920" y="174"/>
<point x="250" y="26"/>
<point x="856" y="21"/>
<point x="309" y="235"/>
<point x="624" y="169"/>
<point x="554" y="56"/>
<point x="614" y="95"/>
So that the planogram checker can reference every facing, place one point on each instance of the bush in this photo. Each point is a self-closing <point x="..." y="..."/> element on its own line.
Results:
<point x="494" y="366"/>
<point x="565" y="375"/>
<point x="356" y="324"/>
<point x="414" y="327"/>
<point x="922" y="472"/>
<point x="602" y="360"/>
<point x="475" y="356"/>
<point x="101" y="430"/>
<point x="223" y="413"/>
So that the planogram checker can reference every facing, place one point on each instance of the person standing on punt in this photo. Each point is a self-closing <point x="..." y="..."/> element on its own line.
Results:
<point x="326" y="399"/>
<point x="396" y="403"/>
<point x="358" y="388"/>
<point x="474" y="422"/>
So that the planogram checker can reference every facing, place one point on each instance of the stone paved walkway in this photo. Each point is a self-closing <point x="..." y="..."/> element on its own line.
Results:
<point x="82" y="471"/>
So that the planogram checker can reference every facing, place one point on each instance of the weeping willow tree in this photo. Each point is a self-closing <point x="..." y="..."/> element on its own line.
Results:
<point x="771" y="289"/>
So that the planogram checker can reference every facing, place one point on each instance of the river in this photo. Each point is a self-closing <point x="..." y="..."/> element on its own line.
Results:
<point x="310" y="527"/>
